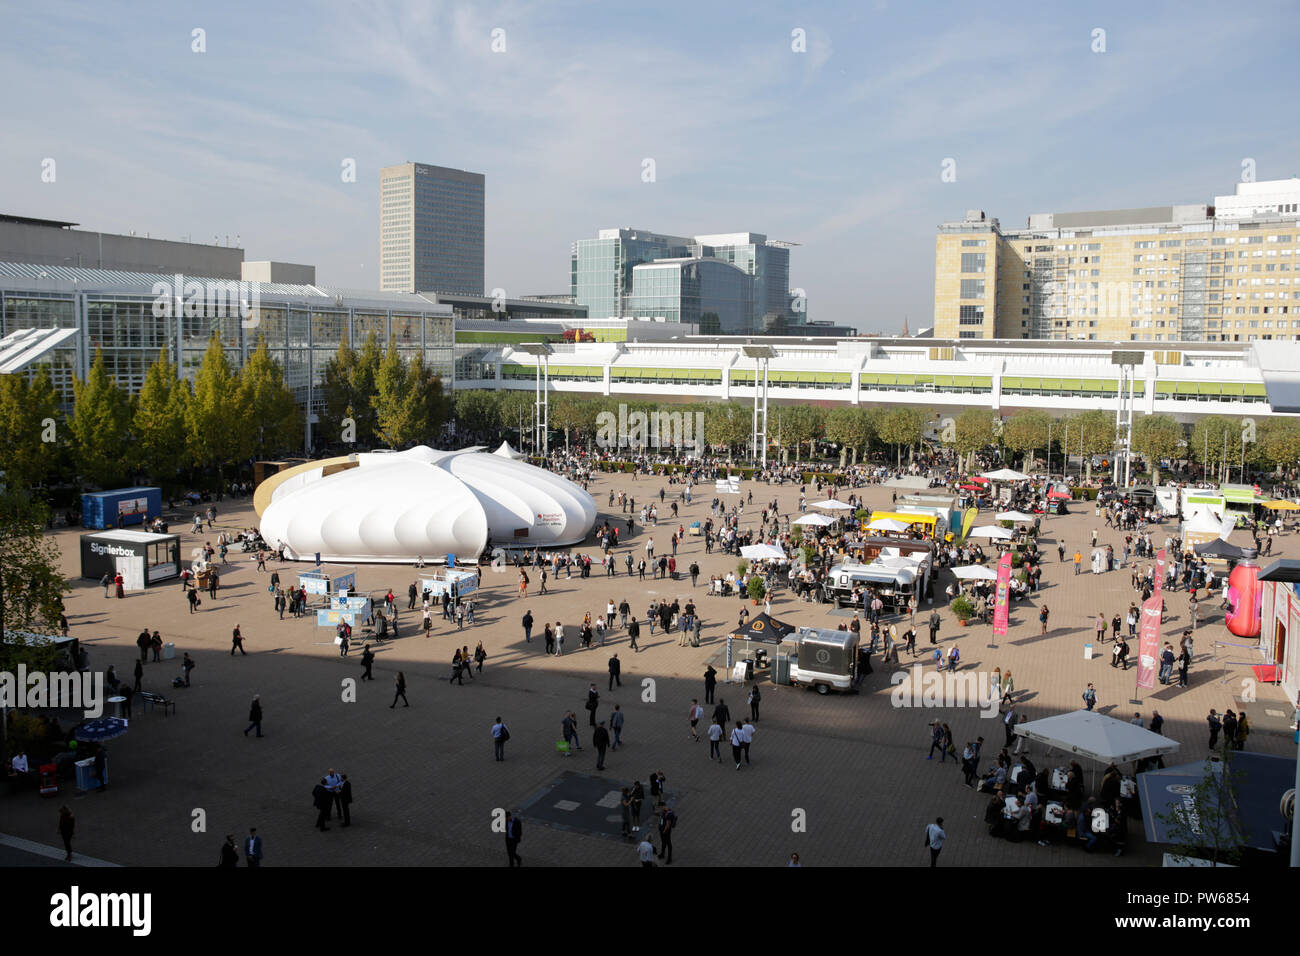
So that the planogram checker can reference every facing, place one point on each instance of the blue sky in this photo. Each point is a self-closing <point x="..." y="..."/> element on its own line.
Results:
<point x="838" y="148"/>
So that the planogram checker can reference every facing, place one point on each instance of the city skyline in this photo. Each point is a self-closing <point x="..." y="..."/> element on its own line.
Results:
<point x="828" y="127"/>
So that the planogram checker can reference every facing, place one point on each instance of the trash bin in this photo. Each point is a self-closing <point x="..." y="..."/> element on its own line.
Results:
<point x="86" y="779"/>
<point x="1087" y="652"/>
<point x="749" y="669"/>
<point x="169" y="651"/>
<point x="115" y="705"/>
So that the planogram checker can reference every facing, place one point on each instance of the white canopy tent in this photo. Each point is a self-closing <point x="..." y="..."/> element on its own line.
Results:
<point x="818" y="521"/>
<point x="762" y="552"/>
<point x="974" y="572"/>
<point x="990" y="531"/>
<point x="1004" y="474"/>
<point x="888" y="524"/>
<point x="1095" y="735"/>
<point x="830" y="504"/>
<point x="505" y="451"/>
<point x="1013" y="516"/>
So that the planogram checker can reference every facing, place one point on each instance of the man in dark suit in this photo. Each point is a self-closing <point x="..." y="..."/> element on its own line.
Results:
<point x="514" y="833"/>
<point x="343" y="801"/>
<point x="323" y="800"/>
<point x="253" y="848"/>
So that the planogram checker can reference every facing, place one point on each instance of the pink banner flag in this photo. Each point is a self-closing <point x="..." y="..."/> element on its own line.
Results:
<point x="1149" y="642"/>
<point x="1002" y="596"/>
<point x="1160" y="572"/>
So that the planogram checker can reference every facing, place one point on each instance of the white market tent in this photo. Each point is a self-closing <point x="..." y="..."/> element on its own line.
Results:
<point x="762" y="552"/>
<point x="888" y="524"/>
<point x="830" y="504"/>
<point x="974" y="572"/>
<point x="1013" y="516"/>
<point x="1004" y="474"/>
<point x="1095" y="735"/>
<point x="819" y="521"/>
<point x="990" y="531"/>
<point x="505" y="451"/>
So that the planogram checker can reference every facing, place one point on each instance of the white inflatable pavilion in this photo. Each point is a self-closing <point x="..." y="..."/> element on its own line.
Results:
<point x="397" y="506"/>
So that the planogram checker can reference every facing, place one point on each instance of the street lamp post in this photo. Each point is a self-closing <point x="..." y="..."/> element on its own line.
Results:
<point x="761" y="354"/>
<point x="541" y="402"/>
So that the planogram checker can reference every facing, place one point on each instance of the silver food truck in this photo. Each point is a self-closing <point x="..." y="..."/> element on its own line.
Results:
<point x="823" y="658"/>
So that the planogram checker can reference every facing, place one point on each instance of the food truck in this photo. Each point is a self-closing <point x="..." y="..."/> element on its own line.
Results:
<point x="947" y="504"/>
<point x="141" y="556"/>
<point x="894" y="574"/>
<point x="932" y="521"/>
<point x="1240" y="501"/>
<point x="824" y="659"/>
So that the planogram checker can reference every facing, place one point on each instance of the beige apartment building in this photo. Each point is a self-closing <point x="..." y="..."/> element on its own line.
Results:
<point x="1225" y="272"/>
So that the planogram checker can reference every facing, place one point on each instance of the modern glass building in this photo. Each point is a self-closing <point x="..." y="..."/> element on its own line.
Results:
<point x="431" y="229"/>
<point x="710" y="293"/>
<point x="126" y="314"/>
<point x="603" y="274"/>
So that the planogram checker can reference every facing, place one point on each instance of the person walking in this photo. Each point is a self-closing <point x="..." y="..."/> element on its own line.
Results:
<point x="399" y="683"/>
<point x="155" y="645"/>
<point x="667" y="823"/>
<point x="755" y="697"/>
<point x="615" y="670"/>
<point x="1090" y="697"/>
<point x="710" y="683"/>
<point x="500" y="734"/>
<point x="593" y="701"/>
<point x="322" y="800"/>
<point x="514" y="832"/>
<point x="1215" y="725"/>
<point x="253" y="848"/>
<point x="934" y="627"/>
<point x="229" y="852"/>
<point x="1042" y="617"/>
<point x="737" y="743"/>
<point x="569" y="730"/>
<point x="343" y="801"/>
<point x="1008" y="687"/>
<point x="528" y="626"/>
<point x="139" y="678"/>
<point x="600" y="740"/>
<point x="715" y="740"/>
<point x="616" y="726"/>
<point x="187" y="665"/>
<point x="636" y="800"/>
<point x="633" y="632"/>
<point x="694" y="714"/>
<point x="746" y="738"/>
<point x="367" y="661"/>
<point x="934" y="839"/>
<point x="237" y="642"/>
<point x="67" y="829"/>
<point x="255" y="715"/>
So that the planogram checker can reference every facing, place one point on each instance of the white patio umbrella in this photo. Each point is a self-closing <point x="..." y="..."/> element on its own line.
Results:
<point x="819" y="521"/>
<point x="887" y="524"/>
<point x="1004" y="474"/>
<point x="830" y="504"/>
<point x="991" y="531"/>
<point x="761" y="552"/>
<point x="1013" y="516"/>
<point x="974" y="572"/>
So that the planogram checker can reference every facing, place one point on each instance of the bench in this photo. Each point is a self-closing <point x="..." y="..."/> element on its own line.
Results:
<point x="157" y="700"/>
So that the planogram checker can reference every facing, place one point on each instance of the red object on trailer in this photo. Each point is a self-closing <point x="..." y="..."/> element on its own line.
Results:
<point x="49" y="780"/>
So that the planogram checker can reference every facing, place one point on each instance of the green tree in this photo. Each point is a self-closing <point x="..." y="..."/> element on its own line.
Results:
<point x="29" y="424"/>
<point x="30" y="579"/>
<point x="1026" y="432"/>
<point x="427" y="406"/>
<point x="272" y="422"/>
<point x="477" y="410"/>
<point x="336" y="388"/>
<point x="1279" y="442"/>
<point x="101" y="423"/>
<point x="901" y="426"/>
<point x="851" y="426"/>
<point x="1091" y="433"/>
<point x="802" y="423"/>
<point x="213" y="419"/>
<point x="1156" y="437"/>
<point x="728" y="424"/>
<point x="159" y="422"/>
<point x="516" y="412"/>
<point x="973" y="431"/>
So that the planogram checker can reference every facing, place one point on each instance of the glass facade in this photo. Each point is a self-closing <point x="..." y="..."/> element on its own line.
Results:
<point x="707" y="292"/>
<point x="300" y="338"/>
<point x="431" y="229"/>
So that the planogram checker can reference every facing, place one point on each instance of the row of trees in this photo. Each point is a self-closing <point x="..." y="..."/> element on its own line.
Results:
<point x="381" y="398"/>
<point x="1215" y="442"/>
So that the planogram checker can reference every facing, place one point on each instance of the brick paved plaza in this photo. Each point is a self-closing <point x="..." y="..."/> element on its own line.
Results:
<point x="424" y="778"/>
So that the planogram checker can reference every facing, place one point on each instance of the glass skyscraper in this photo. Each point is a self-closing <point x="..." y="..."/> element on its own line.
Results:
<point x="431" y="229"/>
<point x="610" y="275"/>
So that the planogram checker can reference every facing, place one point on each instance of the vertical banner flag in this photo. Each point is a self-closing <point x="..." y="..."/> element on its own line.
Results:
<point x="1160" y="572"/>
<point x="1001" y="601"/>
<point x="1149" y="642"/>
